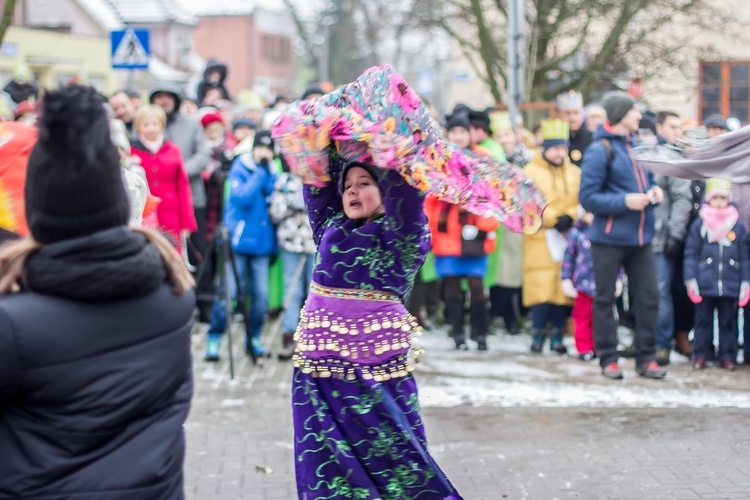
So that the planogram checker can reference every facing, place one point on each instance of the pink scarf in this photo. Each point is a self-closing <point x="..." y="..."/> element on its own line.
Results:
<point x="718" y="222"/>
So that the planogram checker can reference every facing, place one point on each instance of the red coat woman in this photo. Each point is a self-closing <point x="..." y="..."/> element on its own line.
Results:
<point x="165" y="173"/>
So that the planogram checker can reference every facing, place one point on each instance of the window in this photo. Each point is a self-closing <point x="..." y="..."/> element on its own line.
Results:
<point x="725" y="89"/>
<point x="276" y="48"/>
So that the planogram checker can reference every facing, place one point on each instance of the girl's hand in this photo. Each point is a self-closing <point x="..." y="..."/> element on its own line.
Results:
<point x="694" y="292"/>
<point x="569" y="289"/>
<point x="744" y="293"/>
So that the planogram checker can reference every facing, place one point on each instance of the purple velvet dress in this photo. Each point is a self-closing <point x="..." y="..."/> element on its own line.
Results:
<point x="357" y="429"/>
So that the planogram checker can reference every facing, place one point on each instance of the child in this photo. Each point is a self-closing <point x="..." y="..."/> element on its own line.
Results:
<point x="717" y="273"/>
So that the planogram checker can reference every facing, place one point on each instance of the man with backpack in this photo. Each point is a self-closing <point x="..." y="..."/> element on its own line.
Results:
<point x="621" y="195"/>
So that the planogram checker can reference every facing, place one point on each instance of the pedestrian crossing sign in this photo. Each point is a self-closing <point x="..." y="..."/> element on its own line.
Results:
<point x="130" y="49"/>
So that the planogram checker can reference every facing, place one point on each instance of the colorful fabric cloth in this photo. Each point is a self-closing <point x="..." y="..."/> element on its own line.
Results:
<point x="379" y="119"/>
<point x="362" y="439"/>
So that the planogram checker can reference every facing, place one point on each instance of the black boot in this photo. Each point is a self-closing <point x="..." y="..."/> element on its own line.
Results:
<point x="537" y="340"/>
<point x="454" y="312"/>
<point x="479" y="323"/>
<point x="555" y="341"/>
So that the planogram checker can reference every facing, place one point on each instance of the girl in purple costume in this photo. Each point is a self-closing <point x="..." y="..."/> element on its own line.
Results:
<point x="358" y="432"/>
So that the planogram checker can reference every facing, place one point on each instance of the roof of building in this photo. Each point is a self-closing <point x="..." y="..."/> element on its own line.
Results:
<point x="102" y="13"/>
<point x="152" y="11"/>
<point x="206" y="8"/>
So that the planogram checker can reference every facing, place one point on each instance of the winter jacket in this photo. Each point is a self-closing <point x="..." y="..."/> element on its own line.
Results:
<point x="672" y="215"/>
<point x="187" y="134"/>
<point x="450" y="235"/>
<point x="246" y="210"/>
<point x="204" y="85"/>
<point x="578" y="265"/>
<point x="287" y="211"/>
<point x="604" y="184"/>
<point x="21" y="92"/>
<point x="579" y="141"/>
<point x="741" y="199"/>
<point x="494" y="149"/>
<point x="94" y="396"/>
<point x="541" y="275"/>
<point x="718" y="267"/>
<point x="16" y="142"/>
<point x="168" y="181"/>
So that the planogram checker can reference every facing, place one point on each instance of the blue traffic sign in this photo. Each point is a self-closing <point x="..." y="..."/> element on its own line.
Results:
<point x="130" y="48"/>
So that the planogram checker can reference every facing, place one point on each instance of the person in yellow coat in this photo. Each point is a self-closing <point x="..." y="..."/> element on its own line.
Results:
<point x="558" y="179"/>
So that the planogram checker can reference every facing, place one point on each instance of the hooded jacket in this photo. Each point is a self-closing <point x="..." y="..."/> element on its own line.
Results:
<point x="204" y="86"/>
<point x="604" y="184"/>
<point x="246" y="211"/>
<point x="187" y="134"/>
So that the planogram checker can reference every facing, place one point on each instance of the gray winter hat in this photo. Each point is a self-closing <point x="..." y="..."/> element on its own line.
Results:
<point x="617" y="105"/>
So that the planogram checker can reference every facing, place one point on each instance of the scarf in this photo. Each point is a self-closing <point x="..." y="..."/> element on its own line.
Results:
<point x="109" y="265"/>
<point x="152" y="146"/>
<point x="718" y="222"/>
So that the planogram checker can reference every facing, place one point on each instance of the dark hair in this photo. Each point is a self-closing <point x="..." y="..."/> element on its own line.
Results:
<point x="662" y="116"/>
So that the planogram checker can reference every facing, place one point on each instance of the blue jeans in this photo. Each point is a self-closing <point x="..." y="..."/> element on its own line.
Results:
<point x="290" y="261"/>
<point x="544" y="313"/>
<point x="665" y="320"/>
<point x="253" y="274"/>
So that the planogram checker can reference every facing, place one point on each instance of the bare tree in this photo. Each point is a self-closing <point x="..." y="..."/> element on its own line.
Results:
<point x="8" y="11"/>
<point x="341" y="38"/>
<point x="588" y="45"/>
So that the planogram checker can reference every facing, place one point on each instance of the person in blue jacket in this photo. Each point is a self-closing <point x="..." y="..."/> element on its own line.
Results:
<point x="253" y="239"/>
<point x="621" y="195"/>
<point x="717" y="274"/>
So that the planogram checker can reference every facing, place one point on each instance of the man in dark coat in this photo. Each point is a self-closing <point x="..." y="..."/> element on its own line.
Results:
<point x="214" y="77"/>
<point x="570" y="105"/>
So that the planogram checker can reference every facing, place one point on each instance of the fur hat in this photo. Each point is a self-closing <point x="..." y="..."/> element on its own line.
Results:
<point x="74" y="184"/>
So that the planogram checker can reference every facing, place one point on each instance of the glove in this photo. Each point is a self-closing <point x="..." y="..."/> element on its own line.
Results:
<point x="618" y="288"/>
<point x="744" y="293"/>
<point x="693" y="291"/>
<point x="672" y="248"/>
<point x="568" y="289"/>
<point x="564" y="223"/>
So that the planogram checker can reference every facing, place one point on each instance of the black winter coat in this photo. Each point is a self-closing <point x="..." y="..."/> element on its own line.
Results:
<point x="719" y="270"/>
<point x="93" y="397"/>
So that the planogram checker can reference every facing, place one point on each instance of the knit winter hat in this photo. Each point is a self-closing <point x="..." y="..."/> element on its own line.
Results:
<point x="480" y="119"/>
<point x="458" y="120"/>
<point x="717" y="187"/>
<point x="263" y="138"/>
<point x="713" y="121"/>
<point x="74" y="184"/>
<point x="617" y="105"/>
<point x="211" y="117"/>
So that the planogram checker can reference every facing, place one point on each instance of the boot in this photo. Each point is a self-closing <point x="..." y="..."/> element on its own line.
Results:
<point x="556" y="343"/>
<point x="537" y="340"/>
<point x="287" y="347"/>
<point x="454" y="312"/>
<point x="682" y="343"/>
<point x="479" y="323"/>
<point x="213" y="345"/>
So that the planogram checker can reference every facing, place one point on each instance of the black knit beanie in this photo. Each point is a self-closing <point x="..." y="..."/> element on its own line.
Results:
<point x="617" y="105"/>
<point x="74" y="182"/>
<point x="374" y="172"/>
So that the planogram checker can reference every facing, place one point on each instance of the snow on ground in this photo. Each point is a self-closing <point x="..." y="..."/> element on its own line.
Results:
<point x="509" y="376"/>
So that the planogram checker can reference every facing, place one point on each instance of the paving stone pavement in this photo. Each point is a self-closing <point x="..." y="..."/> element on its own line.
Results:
<point x="239" y="434"/>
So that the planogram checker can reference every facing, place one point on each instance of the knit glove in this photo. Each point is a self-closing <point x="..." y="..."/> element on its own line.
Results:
<point x="564" y="223"/>
<point x="568" y="289"/>
<point x="744" y="293"/>
<point x="693" y="291"/>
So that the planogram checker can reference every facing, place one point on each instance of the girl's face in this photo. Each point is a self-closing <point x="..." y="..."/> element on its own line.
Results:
<point x="460" y="137"/>
<point x="361" y="195"/>
<point x="150" y="128"/>
<point x="719" y="201"/>
<point x="507" y="138"/>
<point x="214" y="131"/>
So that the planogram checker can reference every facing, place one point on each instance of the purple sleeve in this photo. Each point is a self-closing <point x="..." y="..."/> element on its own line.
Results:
<point x="323" y="204"/>
<point x="404" y="205"/>
<point x="569" y="257"/>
